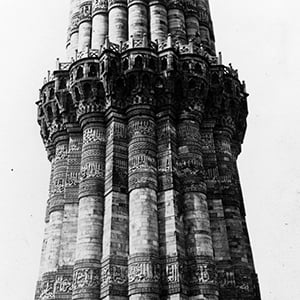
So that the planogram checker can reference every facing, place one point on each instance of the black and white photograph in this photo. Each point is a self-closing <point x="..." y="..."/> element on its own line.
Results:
<point x="150" y="150"/>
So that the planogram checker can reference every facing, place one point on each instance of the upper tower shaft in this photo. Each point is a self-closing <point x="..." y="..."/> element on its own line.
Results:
<point x="92" y="21"/>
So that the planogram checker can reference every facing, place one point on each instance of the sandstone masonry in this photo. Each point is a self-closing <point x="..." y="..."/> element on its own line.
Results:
<point x="143" y="127"/>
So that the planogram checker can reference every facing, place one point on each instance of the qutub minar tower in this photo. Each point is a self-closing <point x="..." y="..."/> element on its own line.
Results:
<point x="143" y="127"/>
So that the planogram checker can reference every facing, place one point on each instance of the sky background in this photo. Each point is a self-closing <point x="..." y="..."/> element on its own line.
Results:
<point x="259" y="37"/>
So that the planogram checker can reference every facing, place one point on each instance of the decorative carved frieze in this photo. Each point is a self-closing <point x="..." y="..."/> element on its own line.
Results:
<point x="74" y="144"/>
<point x="189" y="132"/>
<point x="85" y="11"/>
<point x="116" y="2"/>
<point x="93" y="135"/>
<point x="86" y="278"/>
<point x="100" y="6"/>
<point x="112" y="274"/>
<point x="92" y="170"/>
<point x="141" y="126"/>
<point x="60" y="284"/>
<point x="74" y="23"/>
<point x="142" y="179"/>
<point x="72" y="179"/>
<point x="203" y="273"/>
<point x="208" y="143"/>
<point x="58" y="186"/>
<point x="116" y="131"/>
<point x="172" y="272"/>
<point x="144" y="272"/>
<point x="61" y="152"/>
<point x="55" y="127"/>
<point x="226" y="279"/>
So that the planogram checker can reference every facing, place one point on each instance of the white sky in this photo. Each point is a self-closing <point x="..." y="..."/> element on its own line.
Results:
<point x="260" y="37"/>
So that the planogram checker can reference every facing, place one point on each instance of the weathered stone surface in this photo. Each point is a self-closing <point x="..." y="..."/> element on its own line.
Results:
<point x="143" y="133"/>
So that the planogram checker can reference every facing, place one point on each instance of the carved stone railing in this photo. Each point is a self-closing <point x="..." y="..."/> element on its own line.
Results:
<point x="87" y="53"/>
<point x="182" y="49"/>
<point x="230" y="71"/>
<point x="63" y="66"/>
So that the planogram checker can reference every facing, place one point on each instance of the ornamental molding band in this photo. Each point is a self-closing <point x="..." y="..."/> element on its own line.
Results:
<point x="143" y="126"/>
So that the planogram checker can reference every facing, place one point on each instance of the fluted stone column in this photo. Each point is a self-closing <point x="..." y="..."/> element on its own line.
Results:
<point x="199" y="250"/>
<point x="192" y="25"/>
<point x="247" y="279"/>
<point x="216" y="210"/>
<point x="72" y="42"/>
<point x="117" y="21"/>
<point x="114" y="274"/>
<point x="99" y="23"/>
<point x="234" y="220"/>
<point x="143" y="264"/>
<point x="56" y="201"/>
<point x="40" y="288"/>
<point x="74" y="30"/>
<point x="236" y="150"/>
<point x="218" y="225"/>
<point x="137" y="18"/>
<point x="171" y="231"/>
<point x="205" y="29"/>
<point x="85" y="25"/>
<point x="158" y="20"/>
<point x="55" y="213"/>
<point x="192" y="21"/>
<point x="176" y="21"/>
<point x="86" y="276"/>
<point x="69" y="224"/>
<point x="223" y="135"/>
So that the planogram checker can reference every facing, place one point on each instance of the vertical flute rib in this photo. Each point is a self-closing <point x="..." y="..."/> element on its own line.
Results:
<point x="85" y="25"/>
<point x="99" y="23"/>
<point x="117" y="21"/>
<point x="176" y="20"/>
<point x="138" y="18"/>
<point x="158" y="21"/>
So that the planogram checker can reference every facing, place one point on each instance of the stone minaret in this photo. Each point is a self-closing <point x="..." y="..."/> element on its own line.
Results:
<point x="143" y="127"/>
